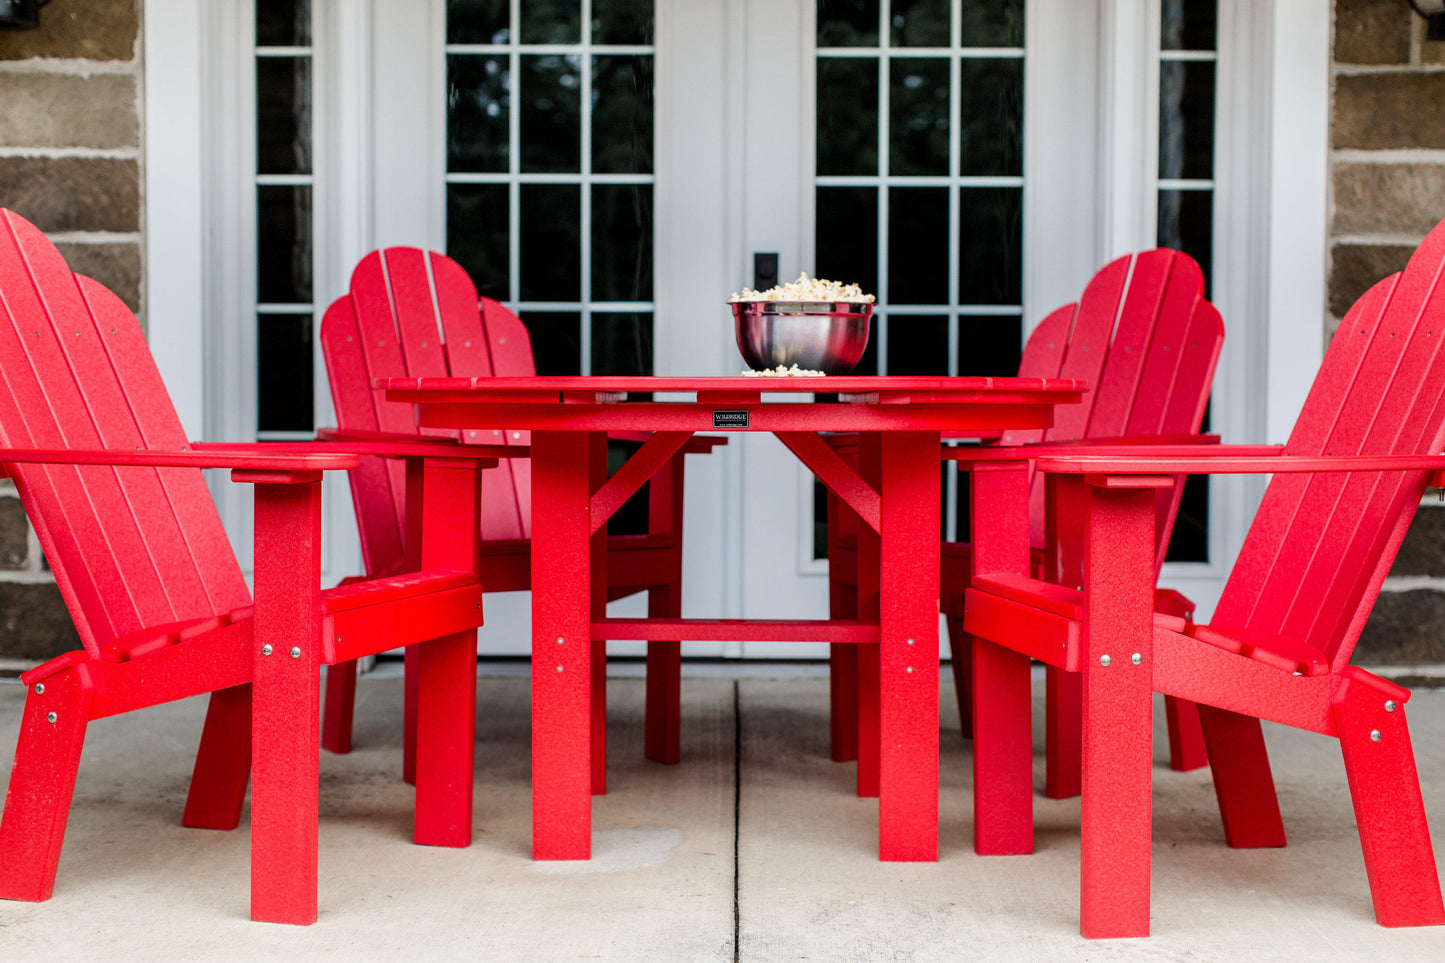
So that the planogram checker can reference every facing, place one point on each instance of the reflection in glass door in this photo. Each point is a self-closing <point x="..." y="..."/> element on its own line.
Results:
<point x="550" y="172"/>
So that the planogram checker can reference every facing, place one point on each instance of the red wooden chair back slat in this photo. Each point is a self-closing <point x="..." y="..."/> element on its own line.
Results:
<point x="1379" y="391"/>
<point x="414" y="314"/>
<point x="1144" y="335"/>
<point x="129" y="547"/>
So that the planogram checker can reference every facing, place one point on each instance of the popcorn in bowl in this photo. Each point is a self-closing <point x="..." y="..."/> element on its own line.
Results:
<point x="806" y="289"/>
<point x="783" y="371"/>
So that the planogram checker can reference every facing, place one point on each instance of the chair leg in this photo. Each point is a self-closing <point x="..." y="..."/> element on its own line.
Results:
<point x="339" y="707"/>
<point x="662" y="726"/>
<point x="42" y="784"/>
<point x="410" y="668"/>
<point x="223" y="762"/>
<point x="1243" y="783"/>
<point x="1186" y="737"/>
<point x="960" y="645"/>
<point x="1063" y="732"/>
<point x="1385" y="788"/>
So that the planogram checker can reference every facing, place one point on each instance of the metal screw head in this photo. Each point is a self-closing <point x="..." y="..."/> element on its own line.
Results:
<point x="40" y="688"/>
<point x="559" y="640"/>
<point x="1375" y="735"/>
<point x="295" y="651"/>
<point x="51" y="717"/>
<point x="1136" y="658"/>
<point x="1390" y="705"/>
<point x="266" y="649"/>
<point x="909" y="669"/>
<point x="1104" y="660"/>
<point x="910" y="641"/>
<point x="559" y="668"/>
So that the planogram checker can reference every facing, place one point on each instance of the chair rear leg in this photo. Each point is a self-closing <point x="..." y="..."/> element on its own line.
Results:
<point x="410" y="669"/>
<point x="339" y="707"/>
<point x="960" y="647"/>
<point x="223" y="762"/>
<point x="662" y="726"/>
<point x="1385" y="789"/>
<point x="842" y="676"/>
<point x="42" y="784"/>
<point x="1063" y="732"/>
<point x="1186" y="736"/>
<point x="1243" y="783"/>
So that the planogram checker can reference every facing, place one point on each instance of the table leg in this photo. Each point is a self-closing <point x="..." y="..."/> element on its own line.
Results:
<point x="908" y="662"/>
<point x="1003" y="814"/>
<point x="1118" y="750"/>
<point x="597" y="548"/>
<point x="561" y="646"/>
<point x="870" y="468"/>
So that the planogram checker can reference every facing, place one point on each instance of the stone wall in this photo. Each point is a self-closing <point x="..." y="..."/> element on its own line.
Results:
<point x="70" y="155"/>
<point x="1387" y="162"/>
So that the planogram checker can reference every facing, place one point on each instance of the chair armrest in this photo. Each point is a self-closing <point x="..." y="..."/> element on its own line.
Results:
<point x="1206" y="448"/>
<point x="388" y="444"/>
<point x="1231" y="460"/>
<point x="242" y="457"/>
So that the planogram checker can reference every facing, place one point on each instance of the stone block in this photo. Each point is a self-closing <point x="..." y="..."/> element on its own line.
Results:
<point x="1354" y="269"/>
<point x="1405" y="627"/>
<point x="1393" y="111"/>
<point x="1388" y="198"/>
<point x="14" y="533"/>
<point x="65" y="110"/>
<point x="34" y="623"/>
<point x="117" y="266"/>
<point x="1423" y="551"/>
<point x="92" y="30"/>
<point x="1371" y="32"/>
<point x="73" y="193"/>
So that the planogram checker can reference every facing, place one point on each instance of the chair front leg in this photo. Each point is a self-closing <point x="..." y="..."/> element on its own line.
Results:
<point x="662" y="722"/>
<point x="286" y="696"/>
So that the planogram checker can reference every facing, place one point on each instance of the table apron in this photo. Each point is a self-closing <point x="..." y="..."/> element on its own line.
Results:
<point x="674" y="416"/>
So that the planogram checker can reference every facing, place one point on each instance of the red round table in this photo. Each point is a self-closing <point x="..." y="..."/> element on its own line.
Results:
<point x="895" y="492"/>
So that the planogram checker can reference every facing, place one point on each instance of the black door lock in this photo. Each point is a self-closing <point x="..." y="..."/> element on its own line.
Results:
<point x="765" y="270"/>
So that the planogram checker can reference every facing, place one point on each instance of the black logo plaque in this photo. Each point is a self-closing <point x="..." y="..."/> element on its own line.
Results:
<point x="730" y="418"/>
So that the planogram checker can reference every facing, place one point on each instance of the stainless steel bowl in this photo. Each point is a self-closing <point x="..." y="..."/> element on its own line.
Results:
<point x="826" y="336"/>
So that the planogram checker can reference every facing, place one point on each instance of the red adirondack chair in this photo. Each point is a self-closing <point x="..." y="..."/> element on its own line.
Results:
<point x="1147" y="341"/>
<point x="391" y="325"/>
<point x="117" y="499"/>
<point x="1343" y="493"/>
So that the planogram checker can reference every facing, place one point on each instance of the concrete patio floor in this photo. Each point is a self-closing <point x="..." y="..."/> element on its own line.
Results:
<point x="755" y="848"/>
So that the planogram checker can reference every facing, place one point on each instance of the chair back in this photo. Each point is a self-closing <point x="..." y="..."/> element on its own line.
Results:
<point x="1321" y="545"/>
<point x="1148" y="343"/>
<point x="414" y="313"/>
<point x="131" y="548"/>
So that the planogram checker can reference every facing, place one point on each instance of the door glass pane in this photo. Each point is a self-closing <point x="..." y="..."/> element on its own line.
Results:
<point x="551" y="114"/>
<point x="990" y="269"/>
<point x="478" y="21"/>
<point x="474" y="214"/>
<point x="551" y="21"/>
<point x="1188" y="24"/>
<point x="847" y="118"/>
<point x="622" y="21"/>
<point x="918" y="116"/>
<point x="478" y="100"/>
<point x="988" y="345"/>
<point x="847" y="23"/>
<point x="621" y="242"/>
<point x="919" y="23"/>
<point x="991" y="126"/>
<point x="1186" y="223"/>
<point x="917" y="246"/>
<point x="283" y="244"/>
<point x="284" y="372"/>
<point x="1186" y="119"/>
<point x="846" y="239"/>
<point x="918" y="344"/>
<point x="283" y="23"/>
<point x="623" y="90"/>
<point x="283" y="115"/>
<point x="551" y="247"/>
<point x="993" y="23"/>
<point x="549" y="202"/>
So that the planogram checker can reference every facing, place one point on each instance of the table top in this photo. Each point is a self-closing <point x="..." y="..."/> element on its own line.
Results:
<point x="855" y="389"/>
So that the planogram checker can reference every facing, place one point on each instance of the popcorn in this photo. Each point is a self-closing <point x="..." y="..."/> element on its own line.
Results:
<point x="807" y="289"/>
<point x="782" y="371"/>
